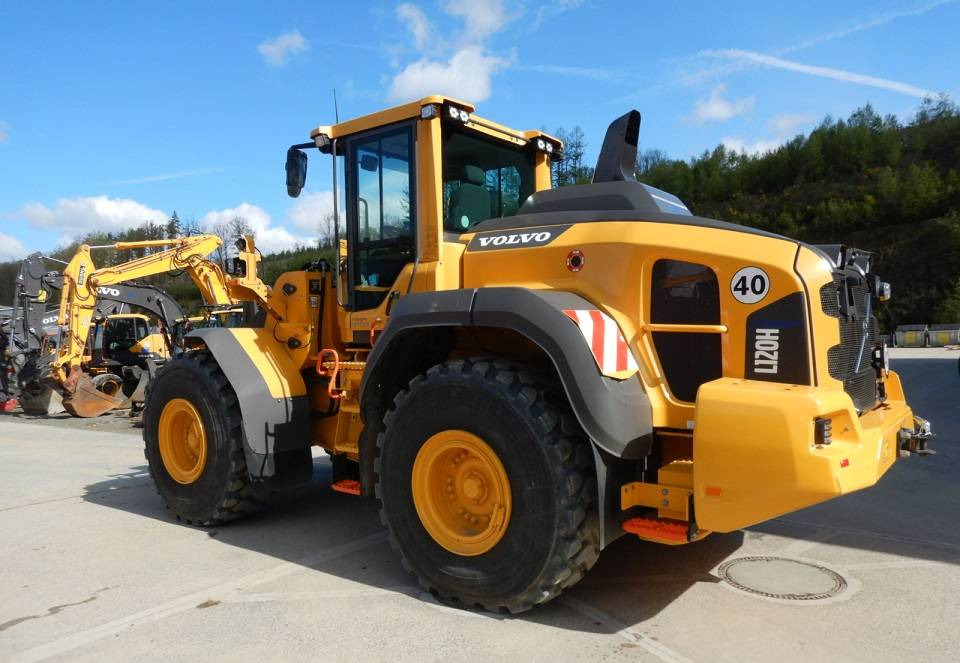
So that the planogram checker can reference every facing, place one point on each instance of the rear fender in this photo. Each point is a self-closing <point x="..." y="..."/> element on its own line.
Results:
<point x="615" y="414"/>
<point x="273" y="401"/>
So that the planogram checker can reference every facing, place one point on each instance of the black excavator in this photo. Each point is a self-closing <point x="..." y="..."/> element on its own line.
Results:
<point x="121" y="355"/>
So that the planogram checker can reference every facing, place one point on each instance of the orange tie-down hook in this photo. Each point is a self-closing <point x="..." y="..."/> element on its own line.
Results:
<point x="332" y="386"/>
<point x="373" y="331"/>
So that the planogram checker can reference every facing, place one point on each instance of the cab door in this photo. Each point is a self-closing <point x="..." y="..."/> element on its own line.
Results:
<point x="381" y="222"/>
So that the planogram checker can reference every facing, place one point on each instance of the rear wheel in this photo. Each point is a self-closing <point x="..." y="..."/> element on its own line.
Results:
<point x="487" y="486"/>
<point x="193" y="438"/>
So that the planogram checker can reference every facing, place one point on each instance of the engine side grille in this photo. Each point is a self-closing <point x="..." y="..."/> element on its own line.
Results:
<point x="858" y="336"/>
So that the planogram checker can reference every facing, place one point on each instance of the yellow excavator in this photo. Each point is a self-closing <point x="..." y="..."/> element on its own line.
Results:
<point x="84" y="285"/>
<point x="522" y="374"/>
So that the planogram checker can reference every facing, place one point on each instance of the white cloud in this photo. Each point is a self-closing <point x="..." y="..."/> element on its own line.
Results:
<point x="554" y="8"/>
<point x="787" y="123"/>
<point x="278" y="51"/>
<point x="481" y="19"/>
<point x="171" y="176"/>
<point x="714" y="107"/>
<point x="269" y="238"/>
<point x="867" y="24"/>
<point x="594" y="73"/>
<point x="416" y="21"/>
<point x="466" y="75"/>
<point x="4" y="131"/>
<point x="756" y="147"/>
<point x="11" y="248"/>
<point x="468" y="70"/>
<point x="699" y="74"/>
<point x="311" y="210"/>
<point x="752" y="57"/>
<point x="74" y="217"/>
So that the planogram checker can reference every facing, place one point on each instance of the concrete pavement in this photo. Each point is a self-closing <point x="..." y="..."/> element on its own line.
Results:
<point x="94" y="569"/>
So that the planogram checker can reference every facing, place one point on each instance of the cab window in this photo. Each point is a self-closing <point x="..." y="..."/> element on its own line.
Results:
<point x="482" y="179"/>
<point x="381" y="211"/>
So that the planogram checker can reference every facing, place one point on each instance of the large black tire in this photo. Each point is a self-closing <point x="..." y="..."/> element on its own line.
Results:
<point x="552" y="537"/>
<point x="223" y="491"/>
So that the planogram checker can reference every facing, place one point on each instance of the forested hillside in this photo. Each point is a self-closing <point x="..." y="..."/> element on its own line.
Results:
<point x="868" y="181"/>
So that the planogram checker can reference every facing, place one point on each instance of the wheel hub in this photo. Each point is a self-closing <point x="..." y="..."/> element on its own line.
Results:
<point x="461" y="492"/>
<point x="182" y="441"/>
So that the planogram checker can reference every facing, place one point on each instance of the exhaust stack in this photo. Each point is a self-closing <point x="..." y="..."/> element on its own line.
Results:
<point x="618" y="156"/>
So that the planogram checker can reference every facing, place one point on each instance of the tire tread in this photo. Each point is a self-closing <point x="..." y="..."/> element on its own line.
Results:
<point x="238" y="499"/>
<point x="577" y="547"/>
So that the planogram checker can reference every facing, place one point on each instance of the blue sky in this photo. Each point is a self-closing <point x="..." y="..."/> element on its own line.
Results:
<point x="113" y="113"/>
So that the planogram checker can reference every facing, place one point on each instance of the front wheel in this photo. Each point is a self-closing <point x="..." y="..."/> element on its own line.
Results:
<point x="487" y="485"/>
<point x="193" y="442"/>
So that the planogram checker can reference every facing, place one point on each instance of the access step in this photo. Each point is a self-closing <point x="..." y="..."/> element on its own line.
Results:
<point x="661" y="530"/>
<point x="349" y="486"/>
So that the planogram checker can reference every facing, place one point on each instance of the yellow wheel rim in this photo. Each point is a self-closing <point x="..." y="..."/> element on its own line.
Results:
<point x="461" y="492"/>
<point x="183" y="441"/>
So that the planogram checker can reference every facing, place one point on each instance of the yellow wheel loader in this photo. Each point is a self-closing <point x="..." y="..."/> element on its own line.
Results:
<point x="521" y="374"/>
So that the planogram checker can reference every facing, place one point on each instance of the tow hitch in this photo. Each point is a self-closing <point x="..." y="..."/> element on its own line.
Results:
<point x="915" y="441"/>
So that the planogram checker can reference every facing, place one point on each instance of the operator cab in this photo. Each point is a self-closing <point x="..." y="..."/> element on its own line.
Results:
<point x="398" y="213"/>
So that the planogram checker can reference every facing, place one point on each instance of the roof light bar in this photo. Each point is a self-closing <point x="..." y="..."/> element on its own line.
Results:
<point x="457" y="114"/>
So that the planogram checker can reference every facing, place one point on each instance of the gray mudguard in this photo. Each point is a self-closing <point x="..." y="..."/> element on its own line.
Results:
<point x="273" y="401"/>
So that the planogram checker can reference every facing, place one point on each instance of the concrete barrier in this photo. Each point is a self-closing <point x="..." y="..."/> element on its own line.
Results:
<point x="911" y="336"/>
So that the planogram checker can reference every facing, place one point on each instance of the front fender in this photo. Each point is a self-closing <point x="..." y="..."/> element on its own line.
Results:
<point x="272" y="397"/>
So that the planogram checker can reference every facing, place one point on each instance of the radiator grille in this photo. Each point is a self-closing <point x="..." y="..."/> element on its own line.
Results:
<point x="850" y="360"/>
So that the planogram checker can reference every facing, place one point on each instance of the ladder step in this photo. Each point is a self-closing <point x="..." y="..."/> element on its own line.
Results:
<point x="349" y="486"/>
<point x="661" y="529"/>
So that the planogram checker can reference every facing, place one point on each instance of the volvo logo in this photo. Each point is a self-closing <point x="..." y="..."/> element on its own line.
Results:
<point x="519" y="238"/>
<point x="523" y="238"/>
<point x="104" y="291"/>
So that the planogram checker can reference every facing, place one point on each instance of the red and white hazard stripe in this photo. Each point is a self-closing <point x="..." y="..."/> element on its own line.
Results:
<point x="605" y="339"/>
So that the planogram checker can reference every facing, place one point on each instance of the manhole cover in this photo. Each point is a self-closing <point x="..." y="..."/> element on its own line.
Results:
<point x="781" y="578"/>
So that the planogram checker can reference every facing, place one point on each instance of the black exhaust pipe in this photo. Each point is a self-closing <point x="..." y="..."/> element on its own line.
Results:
<point x="618" y="156"/>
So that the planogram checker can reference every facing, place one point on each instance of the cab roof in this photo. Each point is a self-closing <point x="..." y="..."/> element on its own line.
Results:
<point x="413" y="110"/>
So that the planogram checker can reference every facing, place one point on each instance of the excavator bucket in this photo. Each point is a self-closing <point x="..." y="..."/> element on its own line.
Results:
<point x="83" y="399"/>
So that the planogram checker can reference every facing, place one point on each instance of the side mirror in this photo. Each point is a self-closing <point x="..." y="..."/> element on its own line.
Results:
<point x="296" y="171"/>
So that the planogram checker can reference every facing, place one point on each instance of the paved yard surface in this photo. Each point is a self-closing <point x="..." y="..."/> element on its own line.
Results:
<point x="95" y="570"/>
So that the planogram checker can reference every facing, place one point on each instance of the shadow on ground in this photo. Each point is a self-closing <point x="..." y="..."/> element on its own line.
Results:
<point x="911" y="512"/>
<point x="300" y="522"/>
